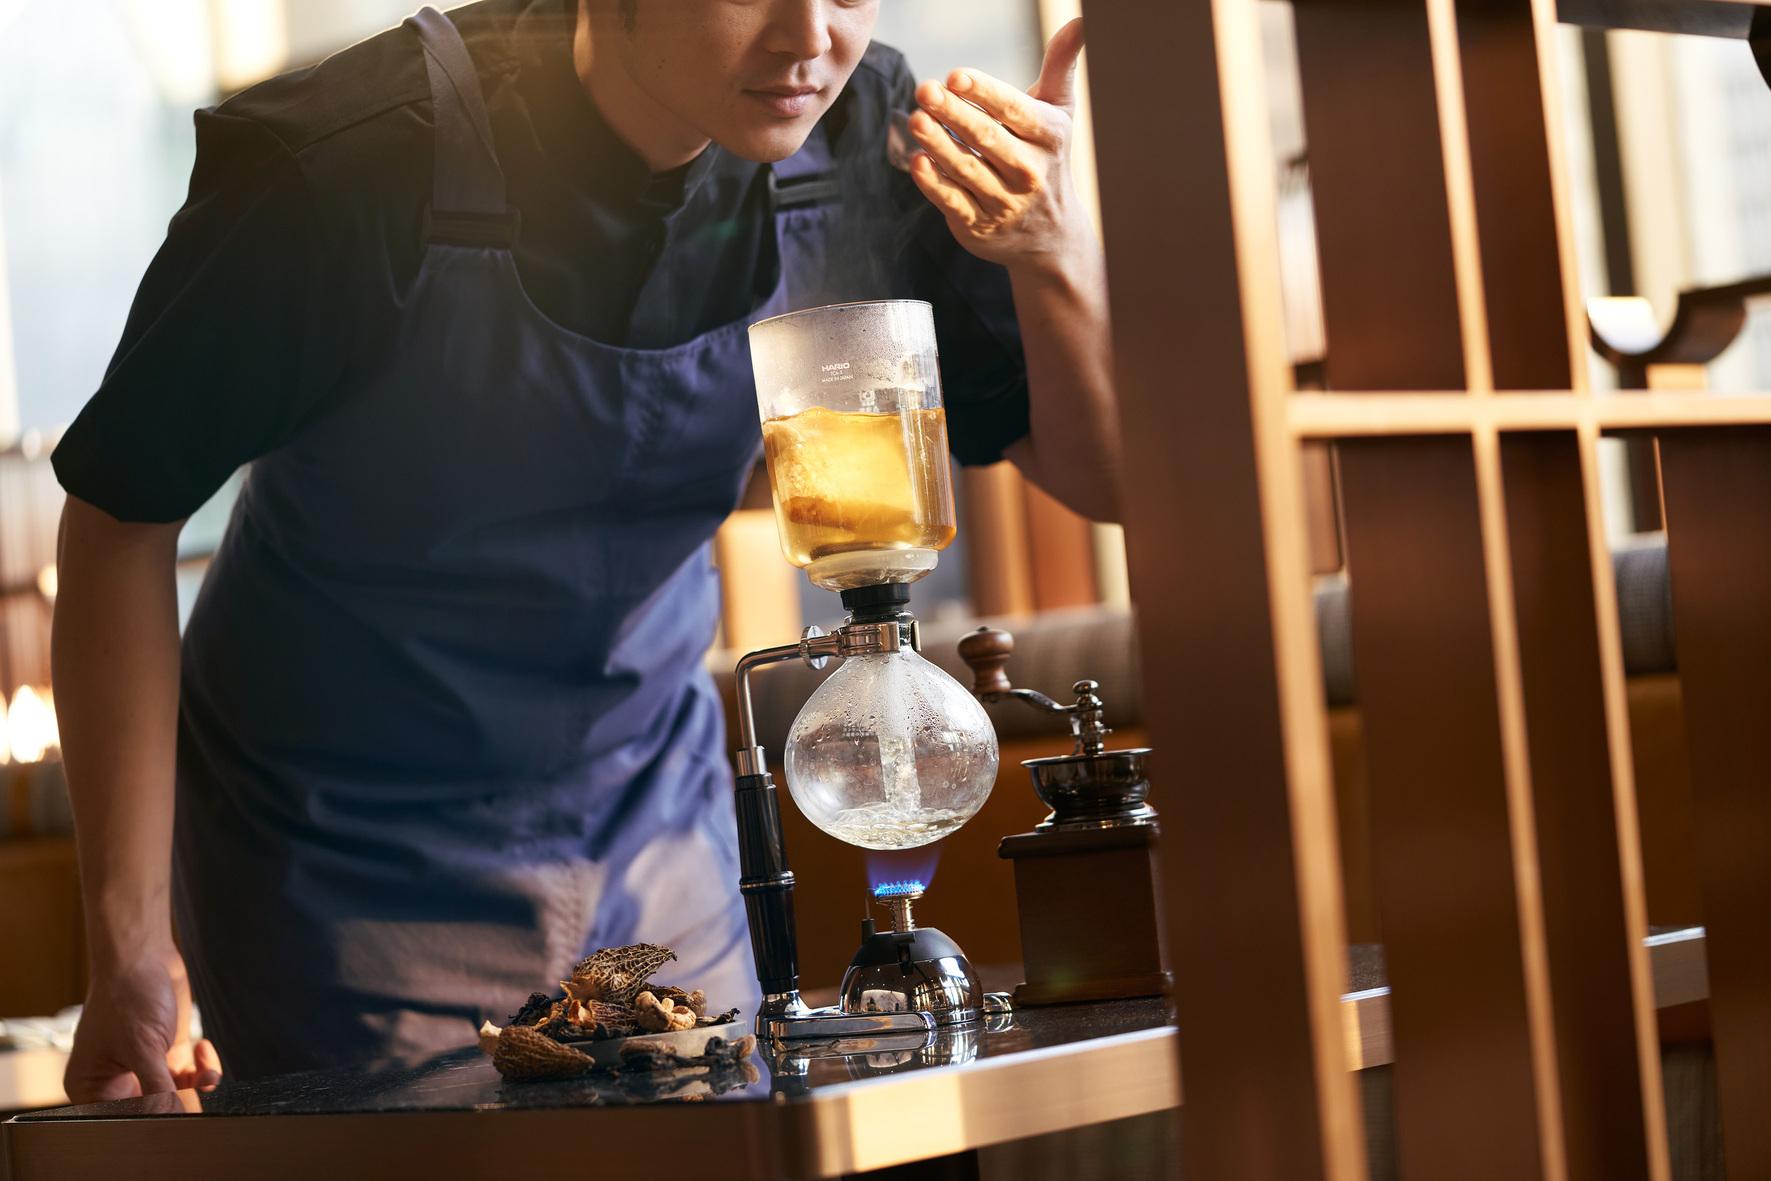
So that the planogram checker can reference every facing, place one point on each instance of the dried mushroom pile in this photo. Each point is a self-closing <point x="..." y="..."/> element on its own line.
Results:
<point x="610" y="995"/>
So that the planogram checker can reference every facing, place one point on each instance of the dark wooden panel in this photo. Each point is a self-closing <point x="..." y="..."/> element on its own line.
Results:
<point x="1718" y="510"/>
<point x="1219" y="568"/>
<point x="1659" y="751"/>
<point x="1382" y="224"/>
<point x="1466" y="1102"/>
<point x="1528" y="317"/>
<point x="1587" y="894"/>
<point x="42" y="943"/>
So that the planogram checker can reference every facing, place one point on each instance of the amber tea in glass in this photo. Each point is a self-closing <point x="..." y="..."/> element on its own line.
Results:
<point x="856" y="440"/>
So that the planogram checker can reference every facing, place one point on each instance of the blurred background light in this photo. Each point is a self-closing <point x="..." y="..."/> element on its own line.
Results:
<point x="251" y="41"/>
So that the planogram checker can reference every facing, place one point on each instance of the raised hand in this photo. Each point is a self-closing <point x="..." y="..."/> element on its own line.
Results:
<point x="1004" y="186"/>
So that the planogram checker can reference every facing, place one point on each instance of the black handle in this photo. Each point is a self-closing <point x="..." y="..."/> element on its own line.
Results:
<point x="767" y="884"/>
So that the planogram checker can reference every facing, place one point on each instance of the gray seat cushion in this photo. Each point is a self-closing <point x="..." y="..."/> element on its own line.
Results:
<point x="1644" y="608"/>
<point x="1645" y="604"/>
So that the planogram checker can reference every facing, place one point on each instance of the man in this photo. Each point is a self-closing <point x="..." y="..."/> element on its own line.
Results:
<point x="470" y="298"/>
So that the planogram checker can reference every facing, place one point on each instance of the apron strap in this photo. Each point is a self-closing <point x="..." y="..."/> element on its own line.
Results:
<point x="468" y="205"/>
<point x="806" y="178"/>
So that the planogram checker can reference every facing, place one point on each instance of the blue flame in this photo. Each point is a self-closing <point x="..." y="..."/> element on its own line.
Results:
<point x="890" y="866"/>
<point x="897" y="889"/>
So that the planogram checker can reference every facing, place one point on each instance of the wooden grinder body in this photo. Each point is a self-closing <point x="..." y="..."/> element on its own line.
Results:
<point x="1087" y="904"/>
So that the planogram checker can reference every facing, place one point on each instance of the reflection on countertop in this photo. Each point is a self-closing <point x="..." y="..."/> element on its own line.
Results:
<point x="464" y="1080"/>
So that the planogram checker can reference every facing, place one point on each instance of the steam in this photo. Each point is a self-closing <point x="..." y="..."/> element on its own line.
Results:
<point x="869" y="231"/>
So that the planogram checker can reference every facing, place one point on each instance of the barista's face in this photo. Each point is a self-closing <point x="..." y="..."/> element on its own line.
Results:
<point x="754" y="76"/>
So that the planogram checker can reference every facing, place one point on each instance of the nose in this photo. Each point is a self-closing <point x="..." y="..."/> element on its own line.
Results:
<point x="799" y="29"/>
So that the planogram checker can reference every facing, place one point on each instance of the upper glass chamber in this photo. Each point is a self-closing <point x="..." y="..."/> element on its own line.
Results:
<point x="856" y="440"/>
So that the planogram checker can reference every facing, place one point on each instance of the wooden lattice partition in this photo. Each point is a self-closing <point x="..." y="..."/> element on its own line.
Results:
<point x="1490" y="678"/>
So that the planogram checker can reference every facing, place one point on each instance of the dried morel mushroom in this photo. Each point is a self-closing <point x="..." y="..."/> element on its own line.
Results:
<point x="616" y="974"/>
<point x="607" y="997"/>
<point x="525" y="1055"/>
<point x="561" y="1029"/>
<point x="603" y="1018"/>
<point x="535" y="1010"/>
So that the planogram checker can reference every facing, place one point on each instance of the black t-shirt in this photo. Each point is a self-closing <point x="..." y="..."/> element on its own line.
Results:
<point x="304" y="229"/>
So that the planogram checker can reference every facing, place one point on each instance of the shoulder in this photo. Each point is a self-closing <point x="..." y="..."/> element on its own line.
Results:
<point x="370" y="84"/>
<point x="883" y="78"/>
<point x="355" y="129"/>
<point x="883" y="62"/>
<point x="305" y="108"/>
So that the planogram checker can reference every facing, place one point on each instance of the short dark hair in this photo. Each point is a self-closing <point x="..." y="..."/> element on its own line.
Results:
<point x="630" y="15"/>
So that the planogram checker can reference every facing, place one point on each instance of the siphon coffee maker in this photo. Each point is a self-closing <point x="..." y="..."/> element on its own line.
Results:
<point x="889" y="752"/>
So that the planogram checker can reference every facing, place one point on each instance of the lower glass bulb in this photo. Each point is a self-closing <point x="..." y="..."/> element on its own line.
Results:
<point x="890" y="753"/>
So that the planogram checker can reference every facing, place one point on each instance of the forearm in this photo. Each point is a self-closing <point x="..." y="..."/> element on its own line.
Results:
<point x="1073" y="449"/>
<point x="115" y="656"/>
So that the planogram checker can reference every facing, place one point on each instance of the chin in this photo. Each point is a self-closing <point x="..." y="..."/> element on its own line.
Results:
<point x="767" y="145"/>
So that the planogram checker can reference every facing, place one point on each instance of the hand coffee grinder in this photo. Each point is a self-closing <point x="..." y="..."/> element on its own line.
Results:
<point x="1085" y="877"/>
<point x="889" y="752"/>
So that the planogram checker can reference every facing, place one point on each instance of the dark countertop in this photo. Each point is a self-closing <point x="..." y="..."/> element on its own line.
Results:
<point x="464" y="1080"/>
<point x="796" y="1113"/>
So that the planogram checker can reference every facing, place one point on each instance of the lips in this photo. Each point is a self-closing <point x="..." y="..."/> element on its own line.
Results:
<point x="786" y="102"/>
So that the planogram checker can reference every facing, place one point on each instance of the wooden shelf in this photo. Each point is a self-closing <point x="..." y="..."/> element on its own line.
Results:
<point x="1365" y="415"/>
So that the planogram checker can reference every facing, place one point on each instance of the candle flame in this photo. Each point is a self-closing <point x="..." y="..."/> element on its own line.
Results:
<point x="31" y="732"/>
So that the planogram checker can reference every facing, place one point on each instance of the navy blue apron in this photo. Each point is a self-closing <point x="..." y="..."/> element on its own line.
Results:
<point x="445" y="721"/>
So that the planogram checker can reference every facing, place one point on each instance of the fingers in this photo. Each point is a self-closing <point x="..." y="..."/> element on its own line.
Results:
<point x="195" y="1066"/>
<point x="208" y="1064"/>
<point x="1005" y="104"/>
<point x="1057" y="78"/>
<point x="1008" y="156"/>
<point x="958" y="164"/>
<point x="950" y="197"/>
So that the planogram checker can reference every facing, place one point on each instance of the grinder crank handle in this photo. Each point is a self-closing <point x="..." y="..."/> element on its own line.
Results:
<point x="986" y="652"/>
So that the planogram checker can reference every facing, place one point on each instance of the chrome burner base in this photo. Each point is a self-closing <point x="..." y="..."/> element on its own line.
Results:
<point x="831" y="1023"/>
<point x="789" y="1018"/>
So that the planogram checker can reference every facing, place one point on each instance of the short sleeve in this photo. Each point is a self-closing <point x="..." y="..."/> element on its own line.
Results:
<point x="983" y="370"/>
<point x="219" y="361"/>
